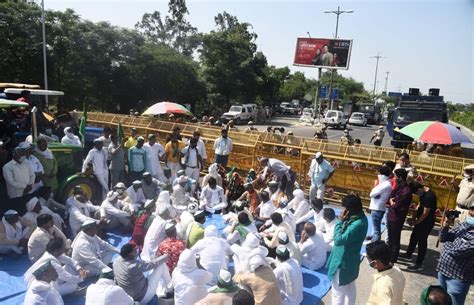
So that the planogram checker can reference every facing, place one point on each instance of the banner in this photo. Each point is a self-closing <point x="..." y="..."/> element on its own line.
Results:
<point x="323" y="53"/>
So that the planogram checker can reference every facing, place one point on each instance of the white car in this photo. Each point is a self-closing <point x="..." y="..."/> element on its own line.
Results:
<point x="239" y="114"/>
<point x="307" y="116"/>
<point x="358" y="118"/>
<point x="335" y="119"/>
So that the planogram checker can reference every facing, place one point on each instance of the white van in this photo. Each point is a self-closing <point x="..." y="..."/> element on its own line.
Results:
<point x="336" y="119"/>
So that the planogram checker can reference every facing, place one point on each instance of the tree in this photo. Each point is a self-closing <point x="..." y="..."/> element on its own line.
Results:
<point x="231" y="65"/>
<point x="295" y="87"/>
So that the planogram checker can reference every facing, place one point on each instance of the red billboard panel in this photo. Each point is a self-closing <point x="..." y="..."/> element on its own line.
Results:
<point x="323" y="53"/>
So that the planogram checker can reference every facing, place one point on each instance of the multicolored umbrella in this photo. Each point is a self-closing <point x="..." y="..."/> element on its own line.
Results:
<point x="4" y="103"/>
<point x="167" y="107"/>
<point x="435" y="133"/>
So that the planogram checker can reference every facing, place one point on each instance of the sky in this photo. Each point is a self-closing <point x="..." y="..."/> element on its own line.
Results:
<point x="425" y="44"/>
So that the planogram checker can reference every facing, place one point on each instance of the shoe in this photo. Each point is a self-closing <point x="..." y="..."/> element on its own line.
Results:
<point x="405" y="257"/>
<point x="415" y="267"/>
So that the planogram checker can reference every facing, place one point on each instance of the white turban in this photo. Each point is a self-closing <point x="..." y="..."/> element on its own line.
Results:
<point x="164" y="198"/>
<point x="251" y="241"/>
<point x="298" y="193"/>
<point x="30" y="205"/>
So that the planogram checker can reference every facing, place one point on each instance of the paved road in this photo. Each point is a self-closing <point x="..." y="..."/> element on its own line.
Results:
<point x="291" y="123"/>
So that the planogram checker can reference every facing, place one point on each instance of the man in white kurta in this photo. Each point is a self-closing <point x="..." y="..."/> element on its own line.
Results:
<point x="312" y="247"/>
<point x="70" y="274"/>
<point x="242" y="254"/>
<point x="80" y="211"/>
<point x="188" y="280"/>
<point x="106" y="292"/>
<point x="44" y="232"/>
<point x="90" y="251"/>
<point x="70" y="138"/>
<point x="180" y="197"/>
<point x="154" y="152"/>
<point x="35" y="208"/>
<point x="292" y="246"/>
<point x="14" y="232"/>
<point x="156" y="233"/>
<point x="289" y="277"/>
<point x="212" y="197"/>
<point x="98" y="157"/>
<point x="212" y="252"/>
<point x="34" y="163"/>
<point x="320" y="171"/>
<point x="136" y="195"/>
<point x="299" y="205"/>
<point x="192" y="160"/>
<point x="18" y="175"/>
<point x="111" y="210"/>
<point x="42" y="290"/>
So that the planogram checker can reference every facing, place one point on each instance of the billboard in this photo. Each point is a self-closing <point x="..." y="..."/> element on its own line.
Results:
<point x="323" y="53"/>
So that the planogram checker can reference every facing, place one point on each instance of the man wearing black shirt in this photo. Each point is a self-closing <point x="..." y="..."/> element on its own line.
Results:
<point x="423" y="224"/>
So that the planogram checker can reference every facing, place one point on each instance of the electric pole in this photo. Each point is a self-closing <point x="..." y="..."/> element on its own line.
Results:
<point x="378" y="57"/>
<point x="386" y="82"/>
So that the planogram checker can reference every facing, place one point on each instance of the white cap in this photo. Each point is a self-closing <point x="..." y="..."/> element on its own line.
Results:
<point x="106" y="270"/>
<point x="137" y="182"/>
<point x="192" y="207"/>
<point x="120" y="185"/>
<point x="24" y="145"/>
<point x="149" y="202"/>
<point x="10" y="213"/>
<point x="282" y="237"/>
<point x="169" y="225"/>
<point x="30" y="205"/>
<point x="89" y="223"/>
<point x="225" y="276"/>
<point x="318" y="155"/>
<point x="182" y="179"/>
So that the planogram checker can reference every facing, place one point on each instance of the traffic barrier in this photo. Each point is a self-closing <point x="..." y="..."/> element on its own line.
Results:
<point x="356" y="165"/>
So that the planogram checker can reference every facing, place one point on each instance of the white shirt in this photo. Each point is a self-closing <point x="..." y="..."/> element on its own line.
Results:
<point x="300" y="206"/>
<point x="328" y="233"/>
<point x="107" y="209"/>
<point x="154" y="236"/>
<point x="313" y="252"/>
<point x="190" y="287"/>
<point x="62" y="264"/>
<point x="202" y="149"/>
<point x="86" y="250"/>
<point x="17" y="177"/>
<point x="137" y="197"/>
<point x="290" y="281"/>
<point x="213" y="198"/>
<point x="39" y="240"/>
<point x="380" y="194"/>
<point x="37" y="167"/>
<point x="266" y="209"/>
<point x="223" y="146"/>
<point x="79" y="213"/>
<point x="154" y="153"/>
<point x="99" y="161"/>
<point x="212" y="252"/>
<point x="319" y="172"/>
<point x="190" y="156"/>
<point x="106" y="292"/>
<point x="71" y="141"/>
<point x="42" y="293"/>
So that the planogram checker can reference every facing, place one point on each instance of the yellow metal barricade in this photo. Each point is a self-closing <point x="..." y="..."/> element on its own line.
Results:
<point x="355" y="165"/>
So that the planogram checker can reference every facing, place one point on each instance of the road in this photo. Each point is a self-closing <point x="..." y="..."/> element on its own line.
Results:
<point x="292" y="123"/>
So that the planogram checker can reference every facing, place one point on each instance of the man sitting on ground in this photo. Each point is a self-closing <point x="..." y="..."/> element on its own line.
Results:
<point x="90" y="251"/>
<point x="111" y="210"/>
<point x="312" y="247"/>
<point x="14" y="233"/>
<point x="226" y="289"/>
<point x="44" y="232"/>
<point x="42" y="290"/>
<point x="106" y="292"/>
<point x="213" y="199"/>
<point x="289" y="277"/>
<point x="129" y="275"/>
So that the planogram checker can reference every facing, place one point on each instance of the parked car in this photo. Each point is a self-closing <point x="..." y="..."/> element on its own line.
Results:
<point x="358" y="118"/>
<point x="239" y="114"/>
<point x="287" y="108"/>
<point x="335" y="119"/>
<point x="307" y="116"/>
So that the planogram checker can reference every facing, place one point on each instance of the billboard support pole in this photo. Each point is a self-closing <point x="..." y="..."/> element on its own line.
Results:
<point x="317" y="103"/>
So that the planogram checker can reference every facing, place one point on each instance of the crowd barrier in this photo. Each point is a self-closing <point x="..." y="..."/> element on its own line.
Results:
<point x="355" y="166"/>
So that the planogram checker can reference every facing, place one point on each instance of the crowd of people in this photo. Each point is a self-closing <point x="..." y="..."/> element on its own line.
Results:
<point x="155" y="194"/>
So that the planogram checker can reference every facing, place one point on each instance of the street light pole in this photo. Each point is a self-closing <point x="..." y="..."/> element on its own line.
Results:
<point x="45" y="67"/>
<point x="338" y="13"/>
<point x="378" y="57"/>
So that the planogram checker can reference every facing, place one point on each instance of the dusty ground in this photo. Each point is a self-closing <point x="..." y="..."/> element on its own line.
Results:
<point x="415" y="282"/>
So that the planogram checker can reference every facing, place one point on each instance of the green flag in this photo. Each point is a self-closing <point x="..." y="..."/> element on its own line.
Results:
<point x="82" y="125"/>
<point x="120" y="133"/>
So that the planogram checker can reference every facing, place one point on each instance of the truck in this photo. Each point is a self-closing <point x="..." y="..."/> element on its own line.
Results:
<point x="414" y="108"/>
<point x="371" y="112"/>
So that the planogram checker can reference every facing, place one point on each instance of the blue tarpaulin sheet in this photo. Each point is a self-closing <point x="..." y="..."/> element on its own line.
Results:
<point x="13" y="289"/>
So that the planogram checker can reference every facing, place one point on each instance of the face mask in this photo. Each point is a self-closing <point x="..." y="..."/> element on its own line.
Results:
<point x="120" y="191"/>
<point x="371" y="264"/>
<point x="467" y="176"/>
<point x="470" y="220"/>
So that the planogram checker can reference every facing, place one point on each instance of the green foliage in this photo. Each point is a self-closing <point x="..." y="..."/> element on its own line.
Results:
<point x="464" y="118"/>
